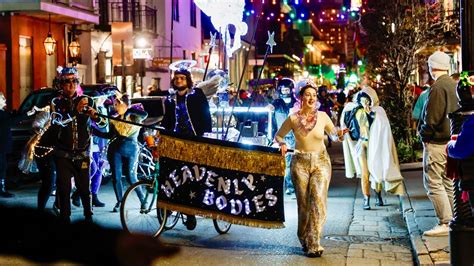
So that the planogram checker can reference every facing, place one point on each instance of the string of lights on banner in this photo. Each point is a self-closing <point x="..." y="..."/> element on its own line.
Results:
<point x="299" y="11"/>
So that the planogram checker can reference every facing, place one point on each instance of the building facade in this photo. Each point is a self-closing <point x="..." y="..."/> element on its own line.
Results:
<point x="23" y="28"/>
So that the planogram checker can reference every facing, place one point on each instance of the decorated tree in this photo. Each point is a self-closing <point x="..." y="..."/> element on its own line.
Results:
<point x="394" y="33"/>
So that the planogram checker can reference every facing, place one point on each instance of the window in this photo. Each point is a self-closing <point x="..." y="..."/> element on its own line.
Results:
<point x="176" y="10"/>
<point x="193" y="14"/>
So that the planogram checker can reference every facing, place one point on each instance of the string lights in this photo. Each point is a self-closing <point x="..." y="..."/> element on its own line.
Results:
<point x="299" y="11"/>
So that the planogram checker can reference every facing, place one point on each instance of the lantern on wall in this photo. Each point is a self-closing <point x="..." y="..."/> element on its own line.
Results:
<point x="49" y="43"/>
<point x="74" y="46"/>
<point x="74" y="49"/>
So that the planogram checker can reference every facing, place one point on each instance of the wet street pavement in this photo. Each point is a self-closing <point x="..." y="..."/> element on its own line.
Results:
<point x="352" y="236"/>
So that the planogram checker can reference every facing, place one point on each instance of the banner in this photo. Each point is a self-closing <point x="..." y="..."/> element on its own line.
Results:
<point x="237" y="183"/>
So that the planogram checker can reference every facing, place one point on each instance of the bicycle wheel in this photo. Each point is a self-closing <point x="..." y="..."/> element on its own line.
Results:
<point x="222" y="227"/>
<point x="138" y="212"/>
<point x="172" y="218"/>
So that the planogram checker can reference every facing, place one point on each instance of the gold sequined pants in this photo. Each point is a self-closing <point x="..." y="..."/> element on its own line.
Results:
<point x="311" y="173"/>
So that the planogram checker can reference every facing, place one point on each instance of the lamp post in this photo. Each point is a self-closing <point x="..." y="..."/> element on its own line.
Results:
<point x="49" y="43"/>
<point x="467" y="31"/>
<point x="461" y="232"/>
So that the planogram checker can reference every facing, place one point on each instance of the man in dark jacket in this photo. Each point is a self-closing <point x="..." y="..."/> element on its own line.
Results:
<point x="187" y="112"/>
<point x="8" y="119"/>
<point x="283" y="104"/>
<point x="434" y="131"/>
<point x="71" y="117"/>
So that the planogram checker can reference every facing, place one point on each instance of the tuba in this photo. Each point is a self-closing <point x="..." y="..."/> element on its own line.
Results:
<point x="32" y="149"/>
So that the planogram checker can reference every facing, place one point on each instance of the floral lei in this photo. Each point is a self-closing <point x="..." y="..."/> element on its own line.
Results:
<point x="306" y="123"/>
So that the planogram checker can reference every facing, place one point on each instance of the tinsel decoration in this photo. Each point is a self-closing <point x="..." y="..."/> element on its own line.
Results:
<point x="236" y="159"/>
<point x="221" y="216"/>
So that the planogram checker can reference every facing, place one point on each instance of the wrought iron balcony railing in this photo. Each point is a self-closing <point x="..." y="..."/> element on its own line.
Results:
<point x="142" y="17"/>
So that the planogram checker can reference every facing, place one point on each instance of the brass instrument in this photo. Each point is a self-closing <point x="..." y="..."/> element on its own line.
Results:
<point x="41" y="124"/>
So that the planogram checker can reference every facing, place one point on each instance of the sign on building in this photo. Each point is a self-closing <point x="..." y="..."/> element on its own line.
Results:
<point x="142" y="53"/>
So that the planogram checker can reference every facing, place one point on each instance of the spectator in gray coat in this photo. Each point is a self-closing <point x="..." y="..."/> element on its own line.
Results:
<point x="434" y="131"/>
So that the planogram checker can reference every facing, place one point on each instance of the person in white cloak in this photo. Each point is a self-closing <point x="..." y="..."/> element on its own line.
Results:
<point x="369" y="149"/>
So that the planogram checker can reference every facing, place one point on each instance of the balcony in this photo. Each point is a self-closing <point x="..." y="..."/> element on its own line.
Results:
<point x="142" y="17"/>
<point x="86" y="5"/>
<point x="64" y="11"/>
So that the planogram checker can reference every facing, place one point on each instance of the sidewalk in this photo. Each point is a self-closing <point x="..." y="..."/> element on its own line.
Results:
<point x="419" y="216"/>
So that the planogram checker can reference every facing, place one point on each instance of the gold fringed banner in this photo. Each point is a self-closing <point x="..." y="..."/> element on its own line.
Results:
<point x="221" y="180"/>
<point x="221" y="216"/>
<point x="256" y="162"/>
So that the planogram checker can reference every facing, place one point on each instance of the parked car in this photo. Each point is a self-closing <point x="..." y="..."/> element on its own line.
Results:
<point x="154" y="106"/>
<point x="22" y="131"/>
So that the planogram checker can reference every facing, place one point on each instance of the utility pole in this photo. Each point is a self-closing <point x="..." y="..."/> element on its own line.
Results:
<point x="171" y="34"/>
<point x="462" y="234"/>
<point x="124" y="82"/>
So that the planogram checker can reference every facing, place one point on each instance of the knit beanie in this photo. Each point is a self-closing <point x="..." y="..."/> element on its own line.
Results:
<point x="439" y="60"/>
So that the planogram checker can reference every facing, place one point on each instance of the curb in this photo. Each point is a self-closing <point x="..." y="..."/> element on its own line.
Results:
<point x="420" y="251"/>
<point x="404" y="167"/>
<point x="411" y="166"/>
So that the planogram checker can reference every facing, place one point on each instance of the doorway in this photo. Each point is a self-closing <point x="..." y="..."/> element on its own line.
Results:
<point x="26" y="67"/>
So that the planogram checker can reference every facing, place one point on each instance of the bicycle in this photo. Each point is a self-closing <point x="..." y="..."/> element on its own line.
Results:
<point x="172" y="218"/>
<point x="145" y="164"/>
<point x="143" y="215"/>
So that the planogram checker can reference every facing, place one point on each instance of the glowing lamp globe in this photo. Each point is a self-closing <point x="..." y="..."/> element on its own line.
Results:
<point x="49" y="44"/>
<point x="74" y="49"/>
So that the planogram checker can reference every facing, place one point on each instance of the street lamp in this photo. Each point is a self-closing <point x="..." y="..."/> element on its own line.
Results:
<point x="49" y="43"/>
<point x="141" y="42"/>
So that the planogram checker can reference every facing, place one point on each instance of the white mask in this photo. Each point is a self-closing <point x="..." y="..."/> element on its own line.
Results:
<point x="285" y="91"/>
<point x="365" y="102"/>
